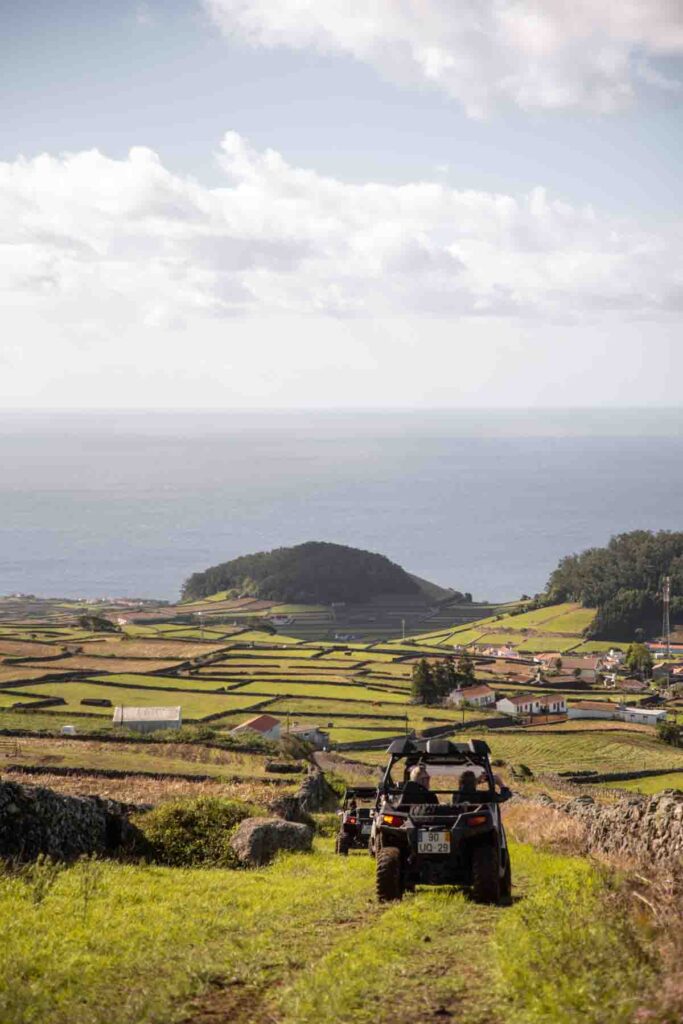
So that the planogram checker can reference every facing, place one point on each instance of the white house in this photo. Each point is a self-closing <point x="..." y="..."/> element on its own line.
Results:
<point x="479" y="696"/>
<point x="642" y="716"/>
<point x="312" y="734"/>
<point x="553" y="703"/>
<point x="521" y="705"/>
<point x="265" y="725"/>
<point x="593" y="709"/>
<point x="148" y="719"/>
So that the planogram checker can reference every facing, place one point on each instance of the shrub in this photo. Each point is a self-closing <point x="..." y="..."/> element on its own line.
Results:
<point x="187" y="833"/>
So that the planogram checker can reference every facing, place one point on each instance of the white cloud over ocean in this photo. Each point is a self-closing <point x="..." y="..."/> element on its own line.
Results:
<point x="106" y="241"/>
<point x="547" y="54"/>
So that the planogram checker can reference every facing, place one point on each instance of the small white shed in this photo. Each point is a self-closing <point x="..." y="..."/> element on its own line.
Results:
<point x="148" y="719"/>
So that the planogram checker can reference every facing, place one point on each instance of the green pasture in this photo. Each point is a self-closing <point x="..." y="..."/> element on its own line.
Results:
<point x="298" y="689"/>
<point x="609" y="751"/>
<point x="159" y="682"/>
<point x="329" y="709"/>
<point x="547" y="645"/>
<point x="42" y="721"/>
<point x="574" y="621"/>
<point x="197" y="705"/>
<point x="649" y="785"/>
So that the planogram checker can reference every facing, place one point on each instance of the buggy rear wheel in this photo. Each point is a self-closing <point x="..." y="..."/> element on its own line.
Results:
<point x="486" y="874"/>
<point x="389" y="883"/>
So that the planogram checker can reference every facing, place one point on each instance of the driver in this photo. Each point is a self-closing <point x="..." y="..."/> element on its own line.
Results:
<point x="416" y="790"/>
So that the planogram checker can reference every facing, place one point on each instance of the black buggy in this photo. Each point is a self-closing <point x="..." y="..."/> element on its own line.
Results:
<point x="458" y="840"/>
<point x="355" y="819"/>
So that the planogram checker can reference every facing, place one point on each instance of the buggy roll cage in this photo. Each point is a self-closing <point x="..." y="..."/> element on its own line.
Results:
<point x="474" y="753"/>
<point x="360" y="792"/>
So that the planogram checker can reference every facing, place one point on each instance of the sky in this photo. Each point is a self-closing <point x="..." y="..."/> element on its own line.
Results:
<point x="333" y="203"/>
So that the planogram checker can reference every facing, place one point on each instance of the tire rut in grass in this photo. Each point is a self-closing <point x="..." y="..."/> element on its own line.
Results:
<point x="423" y="959"/>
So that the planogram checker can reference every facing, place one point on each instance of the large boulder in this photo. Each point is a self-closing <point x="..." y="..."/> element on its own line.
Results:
<point x="257" y="840"/>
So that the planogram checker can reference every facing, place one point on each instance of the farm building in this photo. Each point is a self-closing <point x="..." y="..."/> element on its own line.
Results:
<point x="479" y="696"/>
<point x="265" y="725"/>
<point x="522" y="705"/>
<point x="148" y="719"/>
<point x="587" y="668"/>
<point x="593" y="709"/>
<point x="311" y="734"/>
<point x="553" y="703"/>
<point x="642" y="716"/>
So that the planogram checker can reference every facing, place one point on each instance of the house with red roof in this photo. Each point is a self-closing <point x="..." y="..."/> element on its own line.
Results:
<point x="265" y="725"/>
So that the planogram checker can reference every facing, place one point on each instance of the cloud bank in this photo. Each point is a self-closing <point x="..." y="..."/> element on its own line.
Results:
<point x="109" y="241"/>
<point x="547" y="54"/>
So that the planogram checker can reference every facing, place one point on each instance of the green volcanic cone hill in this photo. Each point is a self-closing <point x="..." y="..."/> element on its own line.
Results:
<point x="312" y="573"/>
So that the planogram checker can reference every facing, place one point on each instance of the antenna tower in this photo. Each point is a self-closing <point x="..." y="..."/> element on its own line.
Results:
<point x="666" y="621"/>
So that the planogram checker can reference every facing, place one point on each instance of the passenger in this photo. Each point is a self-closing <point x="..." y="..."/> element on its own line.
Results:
<point x="468" y="788"/>
<point x="416" y="791"/>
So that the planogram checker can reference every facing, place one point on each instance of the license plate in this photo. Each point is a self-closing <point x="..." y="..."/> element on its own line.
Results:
<point x="433" y="842"/>
<point x="366" y="830"/>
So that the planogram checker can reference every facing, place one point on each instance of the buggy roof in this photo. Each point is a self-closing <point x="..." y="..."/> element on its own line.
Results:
<point x="440" y="751"/>
<point x="364" y="792"/>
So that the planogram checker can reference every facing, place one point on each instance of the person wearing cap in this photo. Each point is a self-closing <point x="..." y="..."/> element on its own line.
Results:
<point x="416" y="790"/>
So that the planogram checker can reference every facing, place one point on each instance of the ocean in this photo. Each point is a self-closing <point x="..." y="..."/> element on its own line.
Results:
<point x="487" y="501"/>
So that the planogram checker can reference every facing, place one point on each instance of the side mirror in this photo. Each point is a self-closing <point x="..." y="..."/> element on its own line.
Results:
<point x="504" y="795"/>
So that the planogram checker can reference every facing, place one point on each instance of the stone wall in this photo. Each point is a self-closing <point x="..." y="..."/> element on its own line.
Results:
<point x="648" y="830"/>
<point x="35" y="820"/>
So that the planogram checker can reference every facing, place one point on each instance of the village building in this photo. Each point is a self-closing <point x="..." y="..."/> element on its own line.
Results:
<point x="320" y="738"/>
<point x="553" y="703"/>
<point x="265" y="725"/>
<point x="642" y="716"/>
<point x="583" y="669"/>
<point x="147" y="719"/>
<point x="520" y="705"/>
<point x="478" y="696"/>
<point x="593" y="709"/>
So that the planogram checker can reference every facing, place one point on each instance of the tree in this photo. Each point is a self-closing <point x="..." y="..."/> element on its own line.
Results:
<point x="466" y="670"/>
<point x="670" y="732"/>
<point x="422" y="683"/>
<point x="98" y="624"/>
<point x="440" y="680"/>
<point x="639" y="661"/>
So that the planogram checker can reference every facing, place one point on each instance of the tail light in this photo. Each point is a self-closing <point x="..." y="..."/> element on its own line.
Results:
<point x="351" y="821"/>
<point x="395" y="820"/>
<point x="477" y="819"/>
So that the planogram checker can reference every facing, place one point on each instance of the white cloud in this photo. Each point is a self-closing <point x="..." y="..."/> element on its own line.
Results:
<point x="96" y="240"/>
<point x="550" y="54"/>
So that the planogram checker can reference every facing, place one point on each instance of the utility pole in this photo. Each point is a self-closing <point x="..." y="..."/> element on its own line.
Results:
<point x="403" y="629"/>
<point x="666" y="625"/>
<point x="666" y="620"/>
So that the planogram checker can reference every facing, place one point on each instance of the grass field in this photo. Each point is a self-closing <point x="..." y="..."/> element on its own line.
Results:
<point x="652" y="784"/>
<point x="318" y="690"/>
<point x="544" y="750"/>
<point x="164" y="758"/>
<point x="197" y="705"/>
<point x="263" y="945"/>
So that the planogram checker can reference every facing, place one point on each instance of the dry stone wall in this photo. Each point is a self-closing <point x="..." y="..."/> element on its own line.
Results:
<point x="35" y="820"/>
<point x="644" y="829"/>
